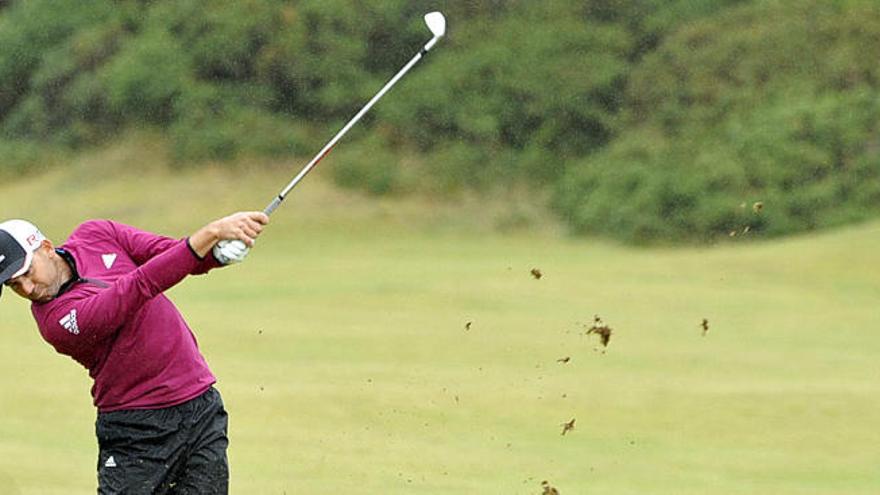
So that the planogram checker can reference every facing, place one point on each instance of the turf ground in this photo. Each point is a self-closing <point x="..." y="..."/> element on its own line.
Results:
<point x="345" y="362"/>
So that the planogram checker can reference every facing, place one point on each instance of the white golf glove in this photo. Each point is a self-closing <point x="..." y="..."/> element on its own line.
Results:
<point x="230" y="252"/>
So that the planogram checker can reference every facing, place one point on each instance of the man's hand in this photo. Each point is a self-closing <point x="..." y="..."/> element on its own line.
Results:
<point x="230" y="252"/>
<point x="243" y="227"/>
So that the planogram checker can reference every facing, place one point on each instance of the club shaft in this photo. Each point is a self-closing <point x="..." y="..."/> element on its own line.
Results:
<point x="329" y="146"/>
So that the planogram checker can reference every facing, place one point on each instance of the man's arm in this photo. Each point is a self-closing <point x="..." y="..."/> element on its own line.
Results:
<point x="142" y="246"/>
<point x="244" y="226"/>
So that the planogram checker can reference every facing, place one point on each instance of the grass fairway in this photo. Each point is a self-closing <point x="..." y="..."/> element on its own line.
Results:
<point x="345" y="364"/>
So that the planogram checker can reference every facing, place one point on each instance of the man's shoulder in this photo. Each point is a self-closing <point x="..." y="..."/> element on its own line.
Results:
<point x="91" y="228"/>
<point x="58" y="311"/>
<point x="60" y="323"/>
<point x="92" y="231"/>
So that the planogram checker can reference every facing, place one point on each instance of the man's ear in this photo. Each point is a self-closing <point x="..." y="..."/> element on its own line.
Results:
<point x="46" y="246"/>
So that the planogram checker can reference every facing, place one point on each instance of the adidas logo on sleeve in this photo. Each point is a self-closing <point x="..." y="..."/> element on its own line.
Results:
<point x="69" y="322"/>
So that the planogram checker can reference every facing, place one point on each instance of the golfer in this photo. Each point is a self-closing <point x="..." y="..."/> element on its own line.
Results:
<point x="98" y="298"/>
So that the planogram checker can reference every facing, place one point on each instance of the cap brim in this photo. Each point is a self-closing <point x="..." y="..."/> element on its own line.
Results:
<point x="15" y="268"/>
<point x="9" y="272"/>
<point x="14" y="260"/>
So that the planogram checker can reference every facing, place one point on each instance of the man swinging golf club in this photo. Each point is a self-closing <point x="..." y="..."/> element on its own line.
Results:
<point x="98" y="298"/>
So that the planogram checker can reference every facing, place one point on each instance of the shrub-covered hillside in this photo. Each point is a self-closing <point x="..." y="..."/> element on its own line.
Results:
<point x="646" y="120"/>
<point x="777" y="103"/>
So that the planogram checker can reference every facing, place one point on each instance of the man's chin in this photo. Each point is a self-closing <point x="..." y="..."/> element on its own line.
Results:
<point x="40" y="298"/>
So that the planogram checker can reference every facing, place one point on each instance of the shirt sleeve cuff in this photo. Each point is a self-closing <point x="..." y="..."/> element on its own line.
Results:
<point x="193" y="251"/>
<point x="205" y="263"/>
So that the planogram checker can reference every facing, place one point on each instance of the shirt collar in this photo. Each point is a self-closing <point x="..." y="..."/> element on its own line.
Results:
<point x="68" y="258"/>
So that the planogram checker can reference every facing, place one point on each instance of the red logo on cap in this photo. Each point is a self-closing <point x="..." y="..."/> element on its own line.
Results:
<point x="32" y="239"/>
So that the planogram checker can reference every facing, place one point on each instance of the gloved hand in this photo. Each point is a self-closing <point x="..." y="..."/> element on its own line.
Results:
<point x="230" y="252"/>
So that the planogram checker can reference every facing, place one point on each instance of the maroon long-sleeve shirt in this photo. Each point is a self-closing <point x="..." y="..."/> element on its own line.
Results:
<point x="115" y="320"/>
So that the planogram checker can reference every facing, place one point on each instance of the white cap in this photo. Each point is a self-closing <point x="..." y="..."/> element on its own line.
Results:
<point x="18" y="241"/>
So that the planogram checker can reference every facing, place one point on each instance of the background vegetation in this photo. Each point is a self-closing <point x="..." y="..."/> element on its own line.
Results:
<point x="641" y="120"/>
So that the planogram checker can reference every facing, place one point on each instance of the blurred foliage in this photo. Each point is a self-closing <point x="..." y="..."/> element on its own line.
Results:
<point x="648" y="120"/>
<point x="772" y="102"/>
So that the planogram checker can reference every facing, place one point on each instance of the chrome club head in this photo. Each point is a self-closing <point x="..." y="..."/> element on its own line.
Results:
<point x="436" y="23"/>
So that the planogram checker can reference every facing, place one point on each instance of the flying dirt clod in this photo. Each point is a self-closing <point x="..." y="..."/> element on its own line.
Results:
<point x="548" y="490"/>
<point x="601" y="329"/>
<point x="567" y="427"/>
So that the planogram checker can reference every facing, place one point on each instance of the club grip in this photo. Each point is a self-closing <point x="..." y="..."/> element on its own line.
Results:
<point x="273" y="205"/>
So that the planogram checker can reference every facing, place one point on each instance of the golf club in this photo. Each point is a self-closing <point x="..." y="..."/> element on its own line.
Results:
<point x="437" y="25"/>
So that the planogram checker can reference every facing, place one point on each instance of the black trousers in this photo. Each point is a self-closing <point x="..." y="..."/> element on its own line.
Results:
<point x="176" y="450"/>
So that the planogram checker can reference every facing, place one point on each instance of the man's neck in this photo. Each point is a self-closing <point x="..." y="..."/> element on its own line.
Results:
<point x="66" y="270"/>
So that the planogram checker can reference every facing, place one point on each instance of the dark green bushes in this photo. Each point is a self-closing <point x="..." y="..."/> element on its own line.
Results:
<point x="42" y="56"/>
<point x="544" y="83"/>
<point x="649" y="120"/>
<point x="764" y="103"/>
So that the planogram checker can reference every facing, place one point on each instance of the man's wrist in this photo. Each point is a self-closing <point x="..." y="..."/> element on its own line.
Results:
<point x="204" y="239"/>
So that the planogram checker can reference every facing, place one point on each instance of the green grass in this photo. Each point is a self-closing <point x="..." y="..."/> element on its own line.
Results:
<point x="342" y="354"/>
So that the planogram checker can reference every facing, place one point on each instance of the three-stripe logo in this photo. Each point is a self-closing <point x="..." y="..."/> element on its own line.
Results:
<point x="69" y="322"/>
